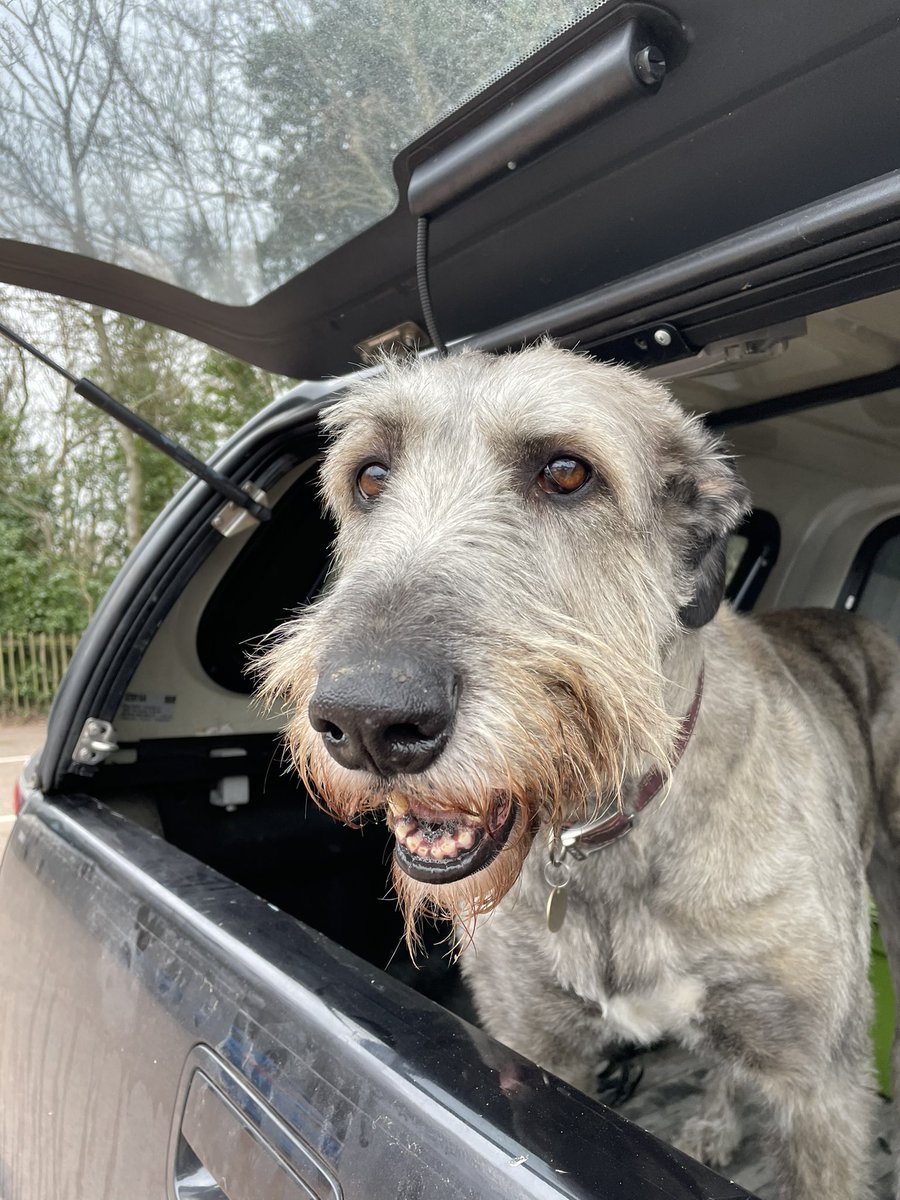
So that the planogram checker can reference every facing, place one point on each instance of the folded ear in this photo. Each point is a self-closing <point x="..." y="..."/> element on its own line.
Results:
<point x="709" y="586"/>
<point x="707" y="501"/>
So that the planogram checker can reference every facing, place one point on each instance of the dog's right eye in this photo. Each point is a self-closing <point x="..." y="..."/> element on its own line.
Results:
<point x="564" y="475"/>
<point x="371" y="480"/>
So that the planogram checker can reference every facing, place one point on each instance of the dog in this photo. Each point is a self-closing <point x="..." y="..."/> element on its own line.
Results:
<point x="645" y="815"/>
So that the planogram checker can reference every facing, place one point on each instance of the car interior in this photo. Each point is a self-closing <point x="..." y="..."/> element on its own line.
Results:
<point x="203" y="765"/>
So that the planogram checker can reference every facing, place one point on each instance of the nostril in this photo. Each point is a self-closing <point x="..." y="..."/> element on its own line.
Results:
<point x="385" y="717"/>
<point x="328" y="729"/>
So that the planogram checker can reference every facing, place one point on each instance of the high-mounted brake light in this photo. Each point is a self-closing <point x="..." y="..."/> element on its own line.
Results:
<point x="593" y="84"/>
<point x="621" y="67"/>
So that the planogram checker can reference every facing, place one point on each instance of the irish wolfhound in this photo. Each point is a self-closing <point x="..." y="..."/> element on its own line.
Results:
<point x="520" y="649"/>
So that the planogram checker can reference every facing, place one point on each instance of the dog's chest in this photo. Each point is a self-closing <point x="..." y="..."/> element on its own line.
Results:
<point x="647" y="1016"/>
<point x="625" y="955"/>
<point x="631" y="966"/>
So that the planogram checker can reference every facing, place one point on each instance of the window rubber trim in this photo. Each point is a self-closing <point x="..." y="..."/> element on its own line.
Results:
<point x="763" y="534"/>
<point x="863" y="561"/>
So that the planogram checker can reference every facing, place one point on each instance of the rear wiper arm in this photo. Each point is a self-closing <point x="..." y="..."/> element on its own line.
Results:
<point x="92" y="392"/>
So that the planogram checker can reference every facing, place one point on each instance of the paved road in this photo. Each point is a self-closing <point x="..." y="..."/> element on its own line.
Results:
<point x="17" y="742"/>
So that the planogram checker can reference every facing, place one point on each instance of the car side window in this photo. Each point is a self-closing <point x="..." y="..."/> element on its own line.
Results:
<point x="279" y="571"/>
<point x="873" y="584"/>
<point x="750" y="555"/>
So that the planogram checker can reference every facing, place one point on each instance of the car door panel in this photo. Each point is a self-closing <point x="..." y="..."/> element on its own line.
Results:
<point x="157" y="1018"/>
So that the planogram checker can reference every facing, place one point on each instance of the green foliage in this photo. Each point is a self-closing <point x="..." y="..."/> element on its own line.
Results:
<point x="232" y="391"/>
<point x="76" y="490"/>
<point x="40" y="591"/>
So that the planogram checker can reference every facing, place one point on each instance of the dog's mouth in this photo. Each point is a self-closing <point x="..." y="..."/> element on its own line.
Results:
<point x="437" y="847"/>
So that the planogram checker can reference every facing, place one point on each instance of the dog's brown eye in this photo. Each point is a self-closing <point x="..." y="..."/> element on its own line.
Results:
<point x="564" y="475"/>
<point x="371" y="480"/>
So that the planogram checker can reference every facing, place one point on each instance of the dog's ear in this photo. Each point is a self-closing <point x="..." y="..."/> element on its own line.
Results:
<point x="709" y="586"/>
<point x="707" y="500"/>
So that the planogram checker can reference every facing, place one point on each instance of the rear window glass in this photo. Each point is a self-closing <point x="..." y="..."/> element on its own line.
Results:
<point x="750" y="555"/>
<point x="224" y="145"/>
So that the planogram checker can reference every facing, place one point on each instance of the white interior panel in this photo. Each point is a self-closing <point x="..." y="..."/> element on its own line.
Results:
<point x="829" y="475"/>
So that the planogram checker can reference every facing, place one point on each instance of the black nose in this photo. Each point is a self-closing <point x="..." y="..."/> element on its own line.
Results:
<point x="390" y="713"/>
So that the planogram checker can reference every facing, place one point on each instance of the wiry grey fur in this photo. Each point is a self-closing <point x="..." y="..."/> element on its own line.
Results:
<point x="734" y="917"/>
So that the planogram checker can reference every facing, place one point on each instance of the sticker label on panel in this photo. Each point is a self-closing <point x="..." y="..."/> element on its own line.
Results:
<point x="147" y="706"/>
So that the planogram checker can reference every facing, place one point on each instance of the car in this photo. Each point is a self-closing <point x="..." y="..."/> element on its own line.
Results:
<point x="203" y="994"/>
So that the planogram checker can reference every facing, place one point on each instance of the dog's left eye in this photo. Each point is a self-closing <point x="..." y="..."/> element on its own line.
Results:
<point x="562" y="476"/>
<point x="371" y="480"/>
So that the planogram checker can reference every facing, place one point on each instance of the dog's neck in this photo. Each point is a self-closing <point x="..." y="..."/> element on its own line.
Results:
<point x="682" y="663"/>
<point x="584" y="838"/>
<point x="685" y="674"/>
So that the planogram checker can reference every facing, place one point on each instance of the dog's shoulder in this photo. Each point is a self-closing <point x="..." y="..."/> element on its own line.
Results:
<point x="827" y="634"/>
<point x="829" y="651"/>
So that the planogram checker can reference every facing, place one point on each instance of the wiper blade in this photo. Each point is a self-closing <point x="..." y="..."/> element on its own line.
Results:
<point x="94" y="394"/>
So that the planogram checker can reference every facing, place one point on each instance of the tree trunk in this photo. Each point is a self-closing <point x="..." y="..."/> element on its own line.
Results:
<point x="135" y="477"/>
<point x="133" y="472"/>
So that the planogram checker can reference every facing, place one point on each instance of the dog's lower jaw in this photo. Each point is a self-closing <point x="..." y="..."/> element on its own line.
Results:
<point x="441" y="851"/>
<point x="462" y="899"/>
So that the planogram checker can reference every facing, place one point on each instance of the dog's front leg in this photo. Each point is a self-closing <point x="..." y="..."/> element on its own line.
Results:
<point x="570" y="1047"/>
<point x="542" y="1021"/>
<point x="822" y="1133"/>
<point x="713" y="1135"/>
<point x="812" y="1069"/>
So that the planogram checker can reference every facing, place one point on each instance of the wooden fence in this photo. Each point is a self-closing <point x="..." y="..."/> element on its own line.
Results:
<point x="31" y="666"/>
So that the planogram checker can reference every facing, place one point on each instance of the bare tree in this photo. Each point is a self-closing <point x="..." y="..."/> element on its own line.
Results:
<point x="118" y="142"/>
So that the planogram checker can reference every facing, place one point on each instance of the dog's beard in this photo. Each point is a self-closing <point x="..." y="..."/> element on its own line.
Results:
<point x="552" y="743"/>
<point x="462" y="901"/>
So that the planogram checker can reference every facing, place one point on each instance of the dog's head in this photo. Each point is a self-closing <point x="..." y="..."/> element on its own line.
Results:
<point x="521" y="539"/>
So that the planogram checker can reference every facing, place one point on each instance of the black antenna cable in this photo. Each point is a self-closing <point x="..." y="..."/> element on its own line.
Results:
<point x="424" y="290"/>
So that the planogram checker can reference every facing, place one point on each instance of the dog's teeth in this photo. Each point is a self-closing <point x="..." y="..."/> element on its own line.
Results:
<point x="398" y="805"/>
<point x="433" y="840"/>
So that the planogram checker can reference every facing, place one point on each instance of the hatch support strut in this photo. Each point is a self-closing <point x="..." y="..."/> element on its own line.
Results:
<point x="94" y="394"/>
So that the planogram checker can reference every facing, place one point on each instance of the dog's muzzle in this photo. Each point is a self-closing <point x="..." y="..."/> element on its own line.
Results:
<point x="389" y="712"/>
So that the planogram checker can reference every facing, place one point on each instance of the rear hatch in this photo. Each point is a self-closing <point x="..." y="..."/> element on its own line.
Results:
<point x="761" y="112"/>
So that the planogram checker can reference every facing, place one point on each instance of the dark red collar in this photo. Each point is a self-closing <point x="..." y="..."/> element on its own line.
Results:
<point x="582" y="840"/>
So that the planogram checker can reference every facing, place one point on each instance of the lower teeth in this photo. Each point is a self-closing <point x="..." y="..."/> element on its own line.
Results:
<point x="425" y="841"/>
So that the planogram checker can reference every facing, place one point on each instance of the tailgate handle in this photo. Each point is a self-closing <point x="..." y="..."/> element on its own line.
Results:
<point x="233" y="1147"/>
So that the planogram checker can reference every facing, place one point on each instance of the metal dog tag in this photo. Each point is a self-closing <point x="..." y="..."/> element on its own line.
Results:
<point x="557" y="903"/>
<point x="557" y="876"/>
